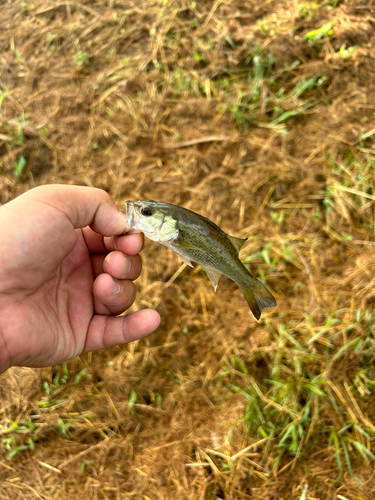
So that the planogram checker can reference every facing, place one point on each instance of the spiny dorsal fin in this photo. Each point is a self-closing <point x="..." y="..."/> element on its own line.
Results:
<point x="237" y="242"/>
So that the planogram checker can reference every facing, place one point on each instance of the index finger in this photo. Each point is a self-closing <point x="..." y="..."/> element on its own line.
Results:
<point x="130" y="244"/>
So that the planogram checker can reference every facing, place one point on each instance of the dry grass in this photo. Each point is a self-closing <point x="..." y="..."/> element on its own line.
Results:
<point x="260" y="116"/>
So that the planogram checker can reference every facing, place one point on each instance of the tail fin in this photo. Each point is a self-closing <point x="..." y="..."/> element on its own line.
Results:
<point x="257" y="296"/>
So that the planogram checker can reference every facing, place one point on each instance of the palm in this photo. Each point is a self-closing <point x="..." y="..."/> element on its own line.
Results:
<point x="61" y="309"/>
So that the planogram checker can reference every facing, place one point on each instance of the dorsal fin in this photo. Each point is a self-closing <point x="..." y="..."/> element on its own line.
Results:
<point x="237" y="242"/>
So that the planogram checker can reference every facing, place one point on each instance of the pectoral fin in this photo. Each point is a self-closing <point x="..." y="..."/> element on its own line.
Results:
<point x="214" y="277"/>
<point x="186" y="244"/>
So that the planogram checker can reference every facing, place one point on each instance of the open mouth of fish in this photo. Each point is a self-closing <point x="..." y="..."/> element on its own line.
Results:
<point x="129" y="212"/>
<point x="132" y="218"/>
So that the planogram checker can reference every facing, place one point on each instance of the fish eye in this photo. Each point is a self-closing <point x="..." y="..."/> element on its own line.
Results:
<point x="146" y="212"/>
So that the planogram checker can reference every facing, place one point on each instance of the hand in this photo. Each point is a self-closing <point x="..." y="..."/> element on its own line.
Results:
<point x="61" y="282"/>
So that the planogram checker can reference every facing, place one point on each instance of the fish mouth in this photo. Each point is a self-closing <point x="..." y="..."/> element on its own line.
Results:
<point x="129" y="212"/>
<point x="132" y="218"/>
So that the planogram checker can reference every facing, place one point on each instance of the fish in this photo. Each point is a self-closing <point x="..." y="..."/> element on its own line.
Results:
<point x="195" y="238"/>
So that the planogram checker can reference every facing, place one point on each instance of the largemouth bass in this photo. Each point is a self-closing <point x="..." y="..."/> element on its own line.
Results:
<point x="195" y="238"/>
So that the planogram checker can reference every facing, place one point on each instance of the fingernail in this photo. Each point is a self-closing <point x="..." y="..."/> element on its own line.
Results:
<point x="127" y="267"/>
<point x="116" y="287"/>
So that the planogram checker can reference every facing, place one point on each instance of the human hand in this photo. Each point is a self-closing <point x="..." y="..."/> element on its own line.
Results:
<point x="64" y="276"/>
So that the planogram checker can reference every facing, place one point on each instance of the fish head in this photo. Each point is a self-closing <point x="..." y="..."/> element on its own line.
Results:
<point x="152" y="219"/>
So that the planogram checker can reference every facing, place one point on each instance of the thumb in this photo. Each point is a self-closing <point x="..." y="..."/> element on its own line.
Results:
<point x="83" y="206"/>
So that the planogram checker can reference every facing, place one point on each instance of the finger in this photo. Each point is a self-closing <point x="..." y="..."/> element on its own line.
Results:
<point x="93" y="240"/>
<point x="131" y="244"/>
<point x="112" y="296"/>
<point x="117" y="264"/>
<point x="97" y="263"/>
<point x="107" y="331"/>
<point x="121" y="266"/>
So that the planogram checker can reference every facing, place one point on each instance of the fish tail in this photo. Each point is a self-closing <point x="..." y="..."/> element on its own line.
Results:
<point x="257" y="296"/>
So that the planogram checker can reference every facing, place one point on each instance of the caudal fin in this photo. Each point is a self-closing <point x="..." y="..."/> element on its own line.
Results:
<point x="258" y="297"/>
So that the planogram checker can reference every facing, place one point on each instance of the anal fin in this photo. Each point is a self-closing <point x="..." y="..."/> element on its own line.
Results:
<point x="214" y="277"/>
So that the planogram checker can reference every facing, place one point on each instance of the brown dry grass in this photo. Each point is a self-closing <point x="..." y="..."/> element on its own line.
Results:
<point x="185" y="102"/>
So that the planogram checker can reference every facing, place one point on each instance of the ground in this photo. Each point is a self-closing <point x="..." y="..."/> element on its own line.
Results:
<point x="260" y="116"/>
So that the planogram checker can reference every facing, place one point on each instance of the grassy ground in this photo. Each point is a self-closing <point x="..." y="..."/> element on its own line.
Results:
<point x="259" y="115"/>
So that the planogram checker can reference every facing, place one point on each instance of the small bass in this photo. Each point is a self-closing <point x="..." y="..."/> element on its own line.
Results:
<point x="195" y="238"/>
